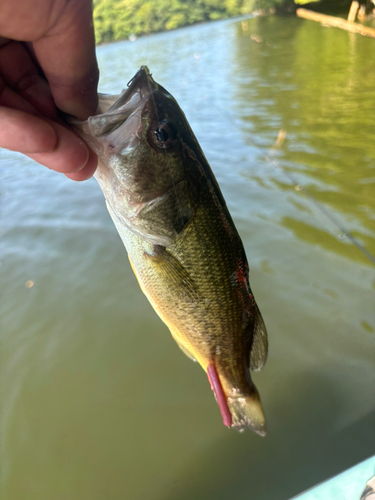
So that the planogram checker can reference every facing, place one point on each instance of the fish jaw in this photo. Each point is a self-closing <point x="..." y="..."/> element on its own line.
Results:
<point x="115" y="125"/>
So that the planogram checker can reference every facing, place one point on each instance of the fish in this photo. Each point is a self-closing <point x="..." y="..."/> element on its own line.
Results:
<point x="181" y="240"/>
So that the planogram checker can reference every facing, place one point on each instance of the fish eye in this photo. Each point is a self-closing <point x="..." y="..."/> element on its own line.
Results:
<point x="164" y="135"/>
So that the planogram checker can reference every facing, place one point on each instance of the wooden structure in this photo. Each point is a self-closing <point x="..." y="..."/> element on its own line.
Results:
<point x="337" y="22"/>
<point x="353" y="11"/>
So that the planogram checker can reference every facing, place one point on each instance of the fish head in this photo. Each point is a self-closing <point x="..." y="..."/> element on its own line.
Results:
<point x="145" y="149"/>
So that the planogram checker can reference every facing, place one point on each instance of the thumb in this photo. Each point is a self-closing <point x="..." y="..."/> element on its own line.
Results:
<point x="67" y="58"/>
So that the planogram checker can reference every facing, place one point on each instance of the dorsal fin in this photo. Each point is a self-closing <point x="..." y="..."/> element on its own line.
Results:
<point x="259" y="347"/>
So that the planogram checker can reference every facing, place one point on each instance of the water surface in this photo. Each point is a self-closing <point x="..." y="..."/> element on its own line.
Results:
<point x="97" y="400"/>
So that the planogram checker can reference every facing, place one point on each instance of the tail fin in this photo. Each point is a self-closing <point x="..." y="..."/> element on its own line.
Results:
<point x="247" y="411"/>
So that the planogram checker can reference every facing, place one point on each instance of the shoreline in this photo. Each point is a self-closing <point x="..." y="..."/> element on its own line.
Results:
<point x="322" y="6"/>
<point x="255" y="13"/>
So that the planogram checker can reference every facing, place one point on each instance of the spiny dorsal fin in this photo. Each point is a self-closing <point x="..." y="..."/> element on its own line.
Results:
<point x="259" y="347"/>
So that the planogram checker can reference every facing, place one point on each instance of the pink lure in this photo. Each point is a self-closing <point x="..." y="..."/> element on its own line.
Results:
<point x="215" y="383"/>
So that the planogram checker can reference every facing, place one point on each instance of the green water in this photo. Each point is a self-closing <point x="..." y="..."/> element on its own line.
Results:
<point x="97" y="401"/>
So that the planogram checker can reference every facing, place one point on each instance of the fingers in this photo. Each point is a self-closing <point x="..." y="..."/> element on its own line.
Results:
<point x="69" y="155"/>
<point x="67" y="56"/>
<point x="26" y="133"/>
<point x="61" y="39"/>
<point x="57" y="67"/>
<point x="11" y="99"/>
<point x="24" y="129"/>
<point x="87" y="171"/>
<point x="20" y="73"/>
<point x="46" y="142"/>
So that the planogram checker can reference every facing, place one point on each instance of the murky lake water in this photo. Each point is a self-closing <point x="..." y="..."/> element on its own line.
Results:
<point x="98" y="402"/>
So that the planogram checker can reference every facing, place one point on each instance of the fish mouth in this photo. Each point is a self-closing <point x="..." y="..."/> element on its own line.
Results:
<point x="142" y="79"/>
<point x="117" y="121"/>
<point x="114" y="112"/>
<point x="142" y="85"/>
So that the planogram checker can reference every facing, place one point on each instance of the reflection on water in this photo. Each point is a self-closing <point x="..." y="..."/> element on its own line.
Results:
<point x="322" y="94"/>
<point x="97" y="400"/>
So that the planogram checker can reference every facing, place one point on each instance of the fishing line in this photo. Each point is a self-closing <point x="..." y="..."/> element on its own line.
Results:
<point x="344" y="233"/>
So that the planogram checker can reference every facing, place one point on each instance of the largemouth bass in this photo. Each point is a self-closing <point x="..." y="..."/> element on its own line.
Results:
<point x="182" y="243"/>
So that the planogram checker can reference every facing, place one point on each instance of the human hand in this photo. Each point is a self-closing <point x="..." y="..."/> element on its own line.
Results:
<point x="47" y="62"/>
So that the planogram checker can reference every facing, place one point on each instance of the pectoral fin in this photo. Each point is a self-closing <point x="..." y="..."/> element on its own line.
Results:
<point x="178" y="280"/>
<point x="171" y="270"/>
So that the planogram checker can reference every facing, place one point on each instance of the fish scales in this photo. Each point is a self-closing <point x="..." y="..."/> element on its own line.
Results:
<point x="181" y="241"/>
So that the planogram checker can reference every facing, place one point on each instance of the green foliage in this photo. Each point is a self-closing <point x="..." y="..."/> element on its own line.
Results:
<point x="118" y="19"/>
